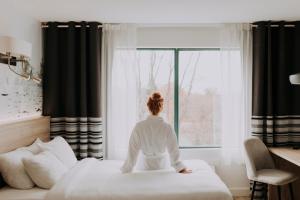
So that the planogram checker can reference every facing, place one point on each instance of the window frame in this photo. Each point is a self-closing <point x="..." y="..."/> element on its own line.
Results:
<point x="176" y="88"/>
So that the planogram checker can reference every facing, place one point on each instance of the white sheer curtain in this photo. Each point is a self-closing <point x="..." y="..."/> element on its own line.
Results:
<point x="119" y="42"/>
<point x="236" y="66"/>
<point x="120" y="59"/>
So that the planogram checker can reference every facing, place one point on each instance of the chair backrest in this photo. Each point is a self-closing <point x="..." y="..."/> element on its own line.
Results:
<point x="257" y="156"/>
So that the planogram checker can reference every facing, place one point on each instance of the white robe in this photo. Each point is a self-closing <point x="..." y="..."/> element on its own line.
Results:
<point x="153" y="137"/>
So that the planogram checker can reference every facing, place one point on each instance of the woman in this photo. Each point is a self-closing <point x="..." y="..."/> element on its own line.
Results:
<point x="153" y="136"/>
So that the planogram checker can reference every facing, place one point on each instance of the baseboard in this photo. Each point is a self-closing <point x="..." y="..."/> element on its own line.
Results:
<point x="240" y="191"/>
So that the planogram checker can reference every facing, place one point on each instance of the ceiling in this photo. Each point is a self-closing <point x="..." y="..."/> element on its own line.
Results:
<point x="158" y="11"/>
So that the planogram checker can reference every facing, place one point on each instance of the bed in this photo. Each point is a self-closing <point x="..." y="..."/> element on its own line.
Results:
<point x="91" y="179"/>
<point x="8" y="193"/>
<point x="20" y="133"/>
<point x="102" y="180"/>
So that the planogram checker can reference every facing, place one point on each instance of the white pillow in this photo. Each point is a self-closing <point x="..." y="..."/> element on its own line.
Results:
<point x="12" y="169"/>
<point x="44" y="169"/>
<point x="61" y="149"/>
<point x="34" y="147"/>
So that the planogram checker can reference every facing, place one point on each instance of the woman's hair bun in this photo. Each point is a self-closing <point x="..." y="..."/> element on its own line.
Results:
<point x="156" y="96"/>
<point x="155" y="103"/>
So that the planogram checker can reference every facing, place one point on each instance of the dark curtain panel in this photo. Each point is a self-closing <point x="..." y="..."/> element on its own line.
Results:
<point x="71" y="85"/>
<point x="276" y="103"/>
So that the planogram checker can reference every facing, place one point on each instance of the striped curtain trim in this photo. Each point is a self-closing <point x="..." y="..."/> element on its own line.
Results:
<point x="281" y="130"/>
<point x="84" y="134"/>
<point x="276" y="117"/>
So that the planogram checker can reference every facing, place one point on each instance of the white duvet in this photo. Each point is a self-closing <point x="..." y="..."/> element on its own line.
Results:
<point x="91" y="179"/>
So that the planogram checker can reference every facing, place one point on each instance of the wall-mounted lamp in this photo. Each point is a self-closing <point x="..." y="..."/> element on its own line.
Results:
<point x="14" y="51"/>
<point x="295" y="79"/>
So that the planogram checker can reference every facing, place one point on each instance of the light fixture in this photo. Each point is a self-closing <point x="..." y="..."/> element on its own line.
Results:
<point x="295" y="79"/>
<point x="13" y="50"/>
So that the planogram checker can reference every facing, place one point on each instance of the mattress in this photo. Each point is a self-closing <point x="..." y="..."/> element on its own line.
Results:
<point x="101" y="180"/>
<point x="8" y="193"/>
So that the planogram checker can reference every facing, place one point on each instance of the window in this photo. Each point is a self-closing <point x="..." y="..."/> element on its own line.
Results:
<point x="156" y="72"/>
<point x="199" y="102"/>
<point x="189" y="81"/>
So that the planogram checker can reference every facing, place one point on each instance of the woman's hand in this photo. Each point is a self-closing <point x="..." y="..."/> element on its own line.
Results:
<point x="185" y="171"/>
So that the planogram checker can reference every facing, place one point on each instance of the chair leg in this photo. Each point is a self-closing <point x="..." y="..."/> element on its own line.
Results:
<point x="266" y="192"/>
<point x="279" y="192"/>
<point x="291" y="191"/>
<point x="253" y="190"/>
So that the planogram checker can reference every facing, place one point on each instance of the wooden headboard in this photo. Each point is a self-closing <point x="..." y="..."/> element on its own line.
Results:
<point x="23" y="132"/>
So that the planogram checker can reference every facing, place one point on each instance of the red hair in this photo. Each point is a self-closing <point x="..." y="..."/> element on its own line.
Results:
<point x="155" y="103"/>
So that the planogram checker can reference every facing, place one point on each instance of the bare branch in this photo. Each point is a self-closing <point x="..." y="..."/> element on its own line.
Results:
<point x="184" y="106"/>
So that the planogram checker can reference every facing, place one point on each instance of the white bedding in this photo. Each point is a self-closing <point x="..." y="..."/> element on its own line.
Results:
<point x="91" y="179"/>
<point x="8" y="193"/>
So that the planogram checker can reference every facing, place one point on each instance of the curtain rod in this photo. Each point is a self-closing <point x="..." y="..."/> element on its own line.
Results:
<point x="66" y="26"/>
<point x="100" y="26"/>
<point x="275" y="25"/>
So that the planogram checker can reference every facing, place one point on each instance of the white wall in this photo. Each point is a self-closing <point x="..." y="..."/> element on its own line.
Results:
<point x="174" y="37"/>
<point x="233" y="174"/>
<point x="17" y="96"/>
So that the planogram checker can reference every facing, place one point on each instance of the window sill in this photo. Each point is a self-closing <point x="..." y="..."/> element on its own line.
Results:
<point x="201" y="147"/>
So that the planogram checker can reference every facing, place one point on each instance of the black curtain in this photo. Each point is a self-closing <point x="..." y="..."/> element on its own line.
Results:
<point x="71" y="84"/>
<point x="276" y="103"/>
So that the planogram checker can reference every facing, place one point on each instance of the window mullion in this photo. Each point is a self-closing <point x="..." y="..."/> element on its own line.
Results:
<point x="176" y="92"/>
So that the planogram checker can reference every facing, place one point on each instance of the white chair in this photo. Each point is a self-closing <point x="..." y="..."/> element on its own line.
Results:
<point x="261" y="168"/>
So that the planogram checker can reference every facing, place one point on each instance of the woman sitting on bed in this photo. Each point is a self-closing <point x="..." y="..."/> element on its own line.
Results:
<point x="153" y="136"/>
